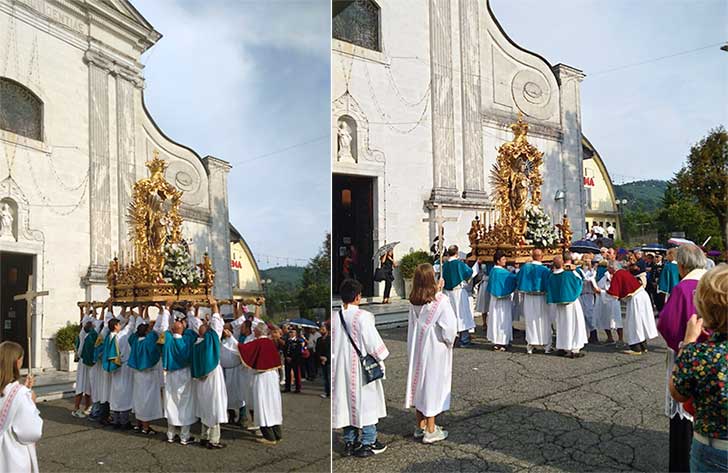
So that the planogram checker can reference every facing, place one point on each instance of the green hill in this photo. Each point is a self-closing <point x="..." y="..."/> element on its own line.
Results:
<point x="642" y="195"/>
<point x="289" y="276"/>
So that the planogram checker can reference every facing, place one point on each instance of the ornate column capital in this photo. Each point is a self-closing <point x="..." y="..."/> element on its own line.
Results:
<point x="565" y="73"/>
<point x="216" y="164"/>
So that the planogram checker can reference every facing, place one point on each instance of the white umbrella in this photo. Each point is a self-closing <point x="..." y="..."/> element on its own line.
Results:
<point x="679" y="241"/>
<point x="384" y="250"/>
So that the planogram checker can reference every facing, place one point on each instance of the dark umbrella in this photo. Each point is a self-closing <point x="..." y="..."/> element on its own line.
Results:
<point x="713" y="253"/>
<point x="656" y="247"/>
<point x="303" y="323"/>
<point x="584" y="246"/>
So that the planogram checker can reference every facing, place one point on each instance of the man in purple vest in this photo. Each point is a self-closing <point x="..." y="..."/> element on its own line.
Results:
<point x="672" y="324"/>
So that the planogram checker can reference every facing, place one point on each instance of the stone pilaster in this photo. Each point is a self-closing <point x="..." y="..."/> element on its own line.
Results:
<point x="572" y="162"/>
<point x="217" y="171"/>
<point x="473" y="173"/>
<point x="443" y="123"/>
<point x="99" y="178"/>
<point x="126" y="165"/>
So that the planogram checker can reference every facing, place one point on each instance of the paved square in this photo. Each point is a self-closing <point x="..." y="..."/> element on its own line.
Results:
<point x="71" y="444"/>
<point x="538" y="413"/>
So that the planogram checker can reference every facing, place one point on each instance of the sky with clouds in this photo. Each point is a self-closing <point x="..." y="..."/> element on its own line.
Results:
<point x="242" y="80"/>
<point x="642" y="119"/>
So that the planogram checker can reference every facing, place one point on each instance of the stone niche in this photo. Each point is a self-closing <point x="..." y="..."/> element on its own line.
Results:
<point x="347" y="143"/>
<point x="8" y="219"/>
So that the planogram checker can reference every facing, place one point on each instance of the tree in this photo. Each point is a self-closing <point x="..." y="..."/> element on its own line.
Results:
<point x="682" y="213"/>
<point x="705" y="177"/>
<point x="316" y="283"/>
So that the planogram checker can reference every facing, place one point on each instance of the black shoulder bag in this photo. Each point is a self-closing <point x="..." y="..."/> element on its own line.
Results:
<point x="370" y="367"/>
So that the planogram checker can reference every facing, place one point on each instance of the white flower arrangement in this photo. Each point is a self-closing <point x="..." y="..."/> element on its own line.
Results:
<point x="539" y="230"/>
<point x="179" y="269"/>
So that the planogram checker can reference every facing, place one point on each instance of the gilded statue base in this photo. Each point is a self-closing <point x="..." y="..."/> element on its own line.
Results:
<point x="159" y="293"/>
<point x="514" y="254"/>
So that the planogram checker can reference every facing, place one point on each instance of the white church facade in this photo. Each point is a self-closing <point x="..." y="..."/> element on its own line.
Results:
<point x="74" y="137"/>
<point x="424" y="92"/>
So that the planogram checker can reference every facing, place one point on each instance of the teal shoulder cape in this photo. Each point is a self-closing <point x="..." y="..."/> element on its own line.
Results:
<point x="669" y="277"/>
<point x="88" y="351"/>
<point x="501" y="282"/>
<point x="111" y="360"/>
<point x="601" y="271"/>
<point x="531" y="279"/>
<point x="206" y="355"/>
<point x="144" y="353"/>
<point x="177" y="352"/>
<point x="454" y="272"/>
<point x="563" y="288"/>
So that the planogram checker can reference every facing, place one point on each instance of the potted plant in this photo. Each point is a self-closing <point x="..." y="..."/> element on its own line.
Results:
<point x="407" y="266"/>
<point x="66" y="345"/>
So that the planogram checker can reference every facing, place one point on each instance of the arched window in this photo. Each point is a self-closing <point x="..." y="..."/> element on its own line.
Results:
<point x="357" y="22"/>
<point x="21" y="111"/>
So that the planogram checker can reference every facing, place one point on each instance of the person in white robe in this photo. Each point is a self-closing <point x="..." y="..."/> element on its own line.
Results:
<point x="357" y="407"/>
<point x="607" y="309"/>
<point x="589" y="291"/>
<point x="261" y="356"/>
<point x="640" y="320"/>
<point x="208" y="379"/>
<point x="83" y="371"/>
<point x="101" y="379"/>
<point x="562" y="292"/>
<point x="122" y="380"/>
<point x="145" y="360"/>
<point x="531" y="283"/>
<point x="431" y="334"/>
<point x="179" y="405"/>
<point x="243" y="333"/>
<point x="233" y="373"/>
<point x="456" y="274"/>
<point x="501" y="285"/>
<point x="21" y="426"/>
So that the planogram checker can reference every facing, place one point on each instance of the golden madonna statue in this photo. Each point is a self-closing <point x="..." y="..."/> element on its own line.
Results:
<point x="516" y="181"/>
<point x="155" y="224"/>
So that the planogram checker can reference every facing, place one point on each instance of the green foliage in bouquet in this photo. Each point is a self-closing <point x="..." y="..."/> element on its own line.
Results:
<point x="66" y="337"/>
<point x="540" y="232"/>
<point x="179" y="269"/>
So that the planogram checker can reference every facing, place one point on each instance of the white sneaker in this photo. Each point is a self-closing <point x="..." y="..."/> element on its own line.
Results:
<point x="87" y="411"/>
<point x="548" y="349"/>
<point x="529" y="349"/>
<point x="253" y="427"/>
<point x="419" y="433"/>
<point x="437" y="435"/>
<point x="78" y="413"/>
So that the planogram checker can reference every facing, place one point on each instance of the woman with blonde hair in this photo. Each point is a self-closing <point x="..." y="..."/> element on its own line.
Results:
<point x="432" y="330"/>
<point x="20" y="423"/>
<point x="701" y="370"/>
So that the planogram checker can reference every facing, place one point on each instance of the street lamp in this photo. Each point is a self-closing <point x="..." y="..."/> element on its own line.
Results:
<point x="620" y="210"/>
<point x="561" y="196"/>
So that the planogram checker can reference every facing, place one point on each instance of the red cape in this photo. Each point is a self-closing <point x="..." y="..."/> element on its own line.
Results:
<point x="261" y="354"/>
<point x="623" y="284"/>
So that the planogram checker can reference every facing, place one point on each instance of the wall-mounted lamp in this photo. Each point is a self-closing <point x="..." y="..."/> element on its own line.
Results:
<point x="560" y="195"/>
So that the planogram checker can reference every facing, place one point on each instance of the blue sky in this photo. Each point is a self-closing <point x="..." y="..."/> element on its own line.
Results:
<point x="641" y="119"/>
<point x="240" y="79"/>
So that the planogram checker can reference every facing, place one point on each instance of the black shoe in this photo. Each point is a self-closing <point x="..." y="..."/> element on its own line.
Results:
<point x="127" y="426"/>
<point x="213" y="446"/>
<point x="364" y="451"/>
<point x="378" y="447"/>
<point x="350" y="448"/>
<point x="117" y="426"/>
<point x="204" y="443"/>
<point x="297" y="391"/>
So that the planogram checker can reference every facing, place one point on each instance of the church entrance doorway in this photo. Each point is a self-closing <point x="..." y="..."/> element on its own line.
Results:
<point x="14" y="271"/>
<point x="352" y="235"/>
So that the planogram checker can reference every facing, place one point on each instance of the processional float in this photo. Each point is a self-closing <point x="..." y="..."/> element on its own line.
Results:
<point x="160" y="266"/>
<point x="517" y="224"/>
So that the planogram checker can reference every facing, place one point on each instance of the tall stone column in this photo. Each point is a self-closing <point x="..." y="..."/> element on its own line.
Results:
<point x="473" y="173"/>
<point x="443" y="120"/>
<point x="217" y="170"/>
<point x="571" y="150"/>
<point x="126" y="83"/>
<point x="99" y="178"/>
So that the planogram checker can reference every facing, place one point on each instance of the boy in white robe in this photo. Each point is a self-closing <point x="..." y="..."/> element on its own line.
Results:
<point x="101" y="379"/>
<point x="122" y="379"/>
<point x="562" y="292"/>
<point x="531" y="282"/>
<point x="501" y="285"/>
<point x="430" y="336"/>
<point x="145" y="360"/>
<point x="233" y="372"/>
<point x="589" y="291"/>
<point x="456" y="274"/>
<point x="20" y="423"/>
<point x="208" y="379"/>
<point x="357" y="407"/>
<point x="83" y="372"/>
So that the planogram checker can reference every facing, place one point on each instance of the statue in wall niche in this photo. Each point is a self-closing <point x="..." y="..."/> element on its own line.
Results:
<point x="6" y="221"/>
<point x="344" y="139"/>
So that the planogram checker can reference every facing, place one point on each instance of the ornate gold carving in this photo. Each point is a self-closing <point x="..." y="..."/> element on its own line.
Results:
<point x="516" y="180"/>
<point x="154" y="221"/>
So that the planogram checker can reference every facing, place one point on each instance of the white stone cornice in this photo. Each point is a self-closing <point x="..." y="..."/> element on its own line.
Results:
<point x="216" y="164"/>
<point x="565" y="73"/>
<point x="109" y="63"/>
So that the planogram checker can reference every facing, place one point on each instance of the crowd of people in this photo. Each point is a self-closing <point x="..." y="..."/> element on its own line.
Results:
<point x="575" y="298"/>
<point x="185" y="364"/>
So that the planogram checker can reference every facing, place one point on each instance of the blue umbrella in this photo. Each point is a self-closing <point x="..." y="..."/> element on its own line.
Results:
<point x="303" y="323"/>
<point x="656" y="247"/>
<point x="584" y="246"/>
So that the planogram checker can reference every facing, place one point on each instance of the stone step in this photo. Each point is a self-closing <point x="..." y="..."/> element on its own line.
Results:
<point x="52" y="384"/>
